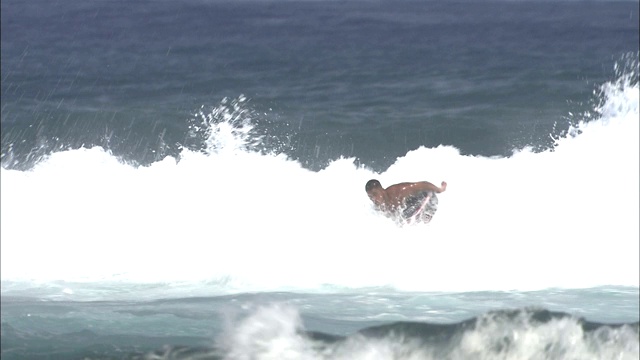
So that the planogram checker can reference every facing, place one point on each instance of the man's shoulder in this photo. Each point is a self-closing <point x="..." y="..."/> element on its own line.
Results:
<point x="405" y="188"/>
<point x="401" y="186"/>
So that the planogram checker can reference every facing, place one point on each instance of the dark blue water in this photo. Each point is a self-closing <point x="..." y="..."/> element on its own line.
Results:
<point x="364" y="79"/>
<point x="227" y="254"/>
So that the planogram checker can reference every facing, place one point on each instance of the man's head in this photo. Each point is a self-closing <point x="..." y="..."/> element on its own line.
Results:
<point x="375" y="192"/>
<point x="372" y="184"/>
<point x="373" y="188"/>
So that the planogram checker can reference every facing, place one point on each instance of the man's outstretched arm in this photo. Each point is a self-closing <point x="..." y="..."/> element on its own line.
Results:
<point x="425" y="185"/>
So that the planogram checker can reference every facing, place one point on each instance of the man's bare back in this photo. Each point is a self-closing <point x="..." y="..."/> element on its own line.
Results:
<point x="408" y="201"/>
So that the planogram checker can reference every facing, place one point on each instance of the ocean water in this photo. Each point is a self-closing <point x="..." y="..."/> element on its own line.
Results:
<point x="185" y="180"/>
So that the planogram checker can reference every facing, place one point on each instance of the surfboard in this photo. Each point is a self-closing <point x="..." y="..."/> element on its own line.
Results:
<point x="420" y="208"/>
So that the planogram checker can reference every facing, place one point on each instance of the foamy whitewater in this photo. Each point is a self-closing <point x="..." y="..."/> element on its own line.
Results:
<point x="239" y="220"/>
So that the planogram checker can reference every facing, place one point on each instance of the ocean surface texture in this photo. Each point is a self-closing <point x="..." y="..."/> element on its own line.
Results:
<point x="185" y="179"/>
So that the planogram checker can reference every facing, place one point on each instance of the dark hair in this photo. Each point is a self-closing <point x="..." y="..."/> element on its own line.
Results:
<point x="372" y="184"/>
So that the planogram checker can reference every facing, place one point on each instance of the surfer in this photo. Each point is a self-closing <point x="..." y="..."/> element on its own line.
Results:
<point x="408" y="201"/>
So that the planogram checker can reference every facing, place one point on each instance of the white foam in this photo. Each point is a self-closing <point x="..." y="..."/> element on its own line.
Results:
<point x="244" y="221"/>
<point x="275" y="332"/>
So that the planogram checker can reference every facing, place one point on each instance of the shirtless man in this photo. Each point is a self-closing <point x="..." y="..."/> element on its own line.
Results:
<point x="409" y="202"/>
